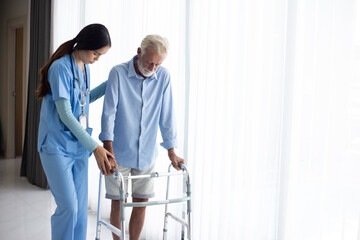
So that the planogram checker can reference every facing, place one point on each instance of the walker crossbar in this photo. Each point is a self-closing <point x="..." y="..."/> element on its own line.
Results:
<point x="152" y="203"/>
<point x="123" y="204"/>
<point x="180" y="220"/>
<point x="153" y="175"/>
<point x="111" y="228"/>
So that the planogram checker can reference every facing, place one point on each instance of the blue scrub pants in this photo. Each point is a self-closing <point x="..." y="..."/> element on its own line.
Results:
<point x="68" y="181"/>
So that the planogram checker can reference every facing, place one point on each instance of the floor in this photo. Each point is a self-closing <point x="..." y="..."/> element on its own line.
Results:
<point x="26" y="209"/>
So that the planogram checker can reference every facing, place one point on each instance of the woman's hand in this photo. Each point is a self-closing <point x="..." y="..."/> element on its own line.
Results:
<point x="113" y="163"/>
<point x="105" y="160"/>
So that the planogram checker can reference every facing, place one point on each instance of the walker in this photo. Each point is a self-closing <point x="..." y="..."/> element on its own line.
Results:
<point x="123" y="204"/>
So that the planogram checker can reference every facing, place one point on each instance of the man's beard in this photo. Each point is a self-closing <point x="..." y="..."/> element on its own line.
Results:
<point x="144" y="71"/>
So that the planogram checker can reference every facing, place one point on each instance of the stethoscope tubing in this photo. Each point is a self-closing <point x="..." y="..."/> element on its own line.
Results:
<point x="72" y="69"/>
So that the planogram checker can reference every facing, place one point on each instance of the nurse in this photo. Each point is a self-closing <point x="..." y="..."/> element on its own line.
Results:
<point x="64" y="140"/>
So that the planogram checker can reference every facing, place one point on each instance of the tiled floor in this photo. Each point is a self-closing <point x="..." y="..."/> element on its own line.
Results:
<point x="25" y="209"/>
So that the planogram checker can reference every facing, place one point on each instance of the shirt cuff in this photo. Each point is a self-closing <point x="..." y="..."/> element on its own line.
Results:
<point x="169" y="144"/>
<point x="106" y="136"/>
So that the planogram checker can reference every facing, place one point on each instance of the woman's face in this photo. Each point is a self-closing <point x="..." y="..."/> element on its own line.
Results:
<point x="91" y="56"/>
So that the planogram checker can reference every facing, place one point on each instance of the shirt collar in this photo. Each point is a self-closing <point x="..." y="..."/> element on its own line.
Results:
<point x="132" y="72"/>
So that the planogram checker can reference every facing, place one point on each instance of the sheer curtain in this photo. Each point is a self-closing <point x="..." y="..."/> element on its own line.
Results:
<point x="235" y="116"/>
<point x="268" y="109"/>
<point x="322" y="152"/>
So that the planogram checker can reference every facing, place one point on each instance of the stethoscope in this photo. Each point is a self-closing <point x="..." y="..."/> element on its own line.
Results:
<point x="86" y="91"/>
<point x="83" y="93"/>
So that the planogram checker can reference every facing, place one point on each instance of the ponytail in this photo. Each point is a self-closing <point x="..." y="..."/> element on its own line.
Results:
<point x="91" y="37"/>
<point x="44" y="86"/>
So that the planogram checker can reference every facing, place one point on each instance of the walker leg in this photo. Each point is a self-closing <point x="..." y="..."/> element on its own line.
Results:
<point x="98" y="224"/>
<point x="165" y="226"/>
<point x="189" y="207"/>
<point x="122" y="212"/>
<point x="166" y="207"/>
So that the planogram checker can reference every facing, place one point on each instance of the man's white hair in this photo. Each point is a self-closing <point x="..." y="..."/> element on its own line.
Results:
<point x="154" y="43"/>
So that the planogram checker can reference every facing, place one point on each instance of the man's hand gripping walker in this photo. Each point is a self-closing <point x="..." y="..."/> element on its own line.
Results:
<point x="186" y="223"/>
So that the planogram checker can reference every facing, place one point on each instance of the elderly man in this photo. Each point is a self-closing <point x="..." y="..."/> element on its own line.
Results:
<point x="138" y="101"/>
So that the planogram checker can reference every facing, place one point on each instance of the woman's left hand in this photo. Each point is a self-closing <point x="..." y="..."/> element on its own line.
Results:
<point x="104" y="160"/>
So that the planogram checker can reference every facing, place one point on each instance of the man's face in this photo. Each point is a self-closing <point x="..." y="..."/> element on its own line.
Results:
<point x="149" y="61"/>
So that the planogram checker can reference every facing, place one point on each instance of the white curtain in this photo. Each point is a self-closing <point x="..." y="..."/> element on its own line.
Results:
<point x="320" y="187"/>
<point x="235" y="116"/>
<point x="267" y="104"/>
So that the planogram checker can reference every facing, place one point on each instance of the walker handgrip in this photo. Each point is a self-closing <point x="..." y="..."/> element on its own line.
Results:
<point x="182" y="166"/>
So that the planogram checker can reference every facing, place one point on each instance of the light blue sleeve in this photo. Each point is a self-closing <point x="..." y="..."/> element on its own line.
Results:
<point x="98" y="92"/>
<point x="167" y="122"/>
<point x="110" y="107"/>
<point x="64" y="109"/>
<point x="60" y="80"/>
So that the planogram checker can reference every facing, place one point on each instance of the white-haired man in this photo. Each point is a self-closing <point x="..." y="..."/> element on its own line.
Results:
<point x="138" y="101"/>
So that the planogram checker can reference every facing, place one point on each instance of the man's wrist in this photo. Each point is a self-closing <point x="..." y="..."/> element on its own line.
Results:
<point x="108" y="145"/>
<point x="171" y="152"/>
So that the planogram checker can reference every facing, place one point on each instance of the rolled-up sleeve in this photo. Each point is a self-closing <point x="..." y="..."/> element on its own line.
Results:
<point x="167" y="122"/>
<point x="110" y="106"/>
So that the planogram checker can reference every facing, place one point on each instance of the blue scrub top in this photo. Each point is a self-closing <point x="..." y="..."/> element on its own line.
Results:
<point x="54" y="137"/>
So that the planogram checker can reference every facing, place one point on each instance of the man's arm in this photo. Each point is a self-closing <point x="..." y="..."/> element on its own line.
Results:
<point x="109" y="108"/>
<point x="108" y="114"/>
<point x="175" y="160"/>
<point x="108" y="146"/>
<point x="168" y="127"/>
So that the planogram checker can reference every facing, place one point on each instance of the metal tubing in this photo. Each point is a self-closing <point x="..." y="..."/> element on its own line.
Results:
<point x="189" y="228"/>
<point x="122" y="201"/>
<point x="189" y="207"/>
<point x="165" y="227"/>
<point x="113" y="229"/>
<point x="154" y="175"/>
<point x="166" y="206"/>
<point x="152" y="203"/>
<point x="123" y="204"/>
<point x="98" y="225"/>
<point x="123" y="232"/>
<point x="188" y="192"/>
<point x="180" y="220"/>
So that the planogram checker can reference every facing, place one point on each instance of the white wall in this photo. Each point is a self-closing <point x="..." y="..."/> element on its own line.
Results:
<point x="9" y="10"/>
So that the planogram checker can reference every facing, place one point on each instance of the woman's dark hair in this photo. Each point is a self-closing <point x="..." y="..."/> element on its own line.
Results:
<point x="91" y="37"/>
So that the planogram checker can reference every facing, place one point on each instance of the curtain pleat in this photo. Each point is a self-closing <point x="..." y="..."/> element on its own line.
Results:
<point x="40" y="26"/>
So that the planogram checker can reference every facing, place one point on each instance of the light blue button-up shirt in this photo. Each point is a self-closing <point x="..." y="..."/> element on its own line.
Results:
<point x="134" y="109"/>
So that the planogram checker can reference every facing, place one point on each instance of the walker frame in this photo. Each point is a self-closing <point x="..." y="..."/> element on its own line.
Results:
<point x="123" y="204"/>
